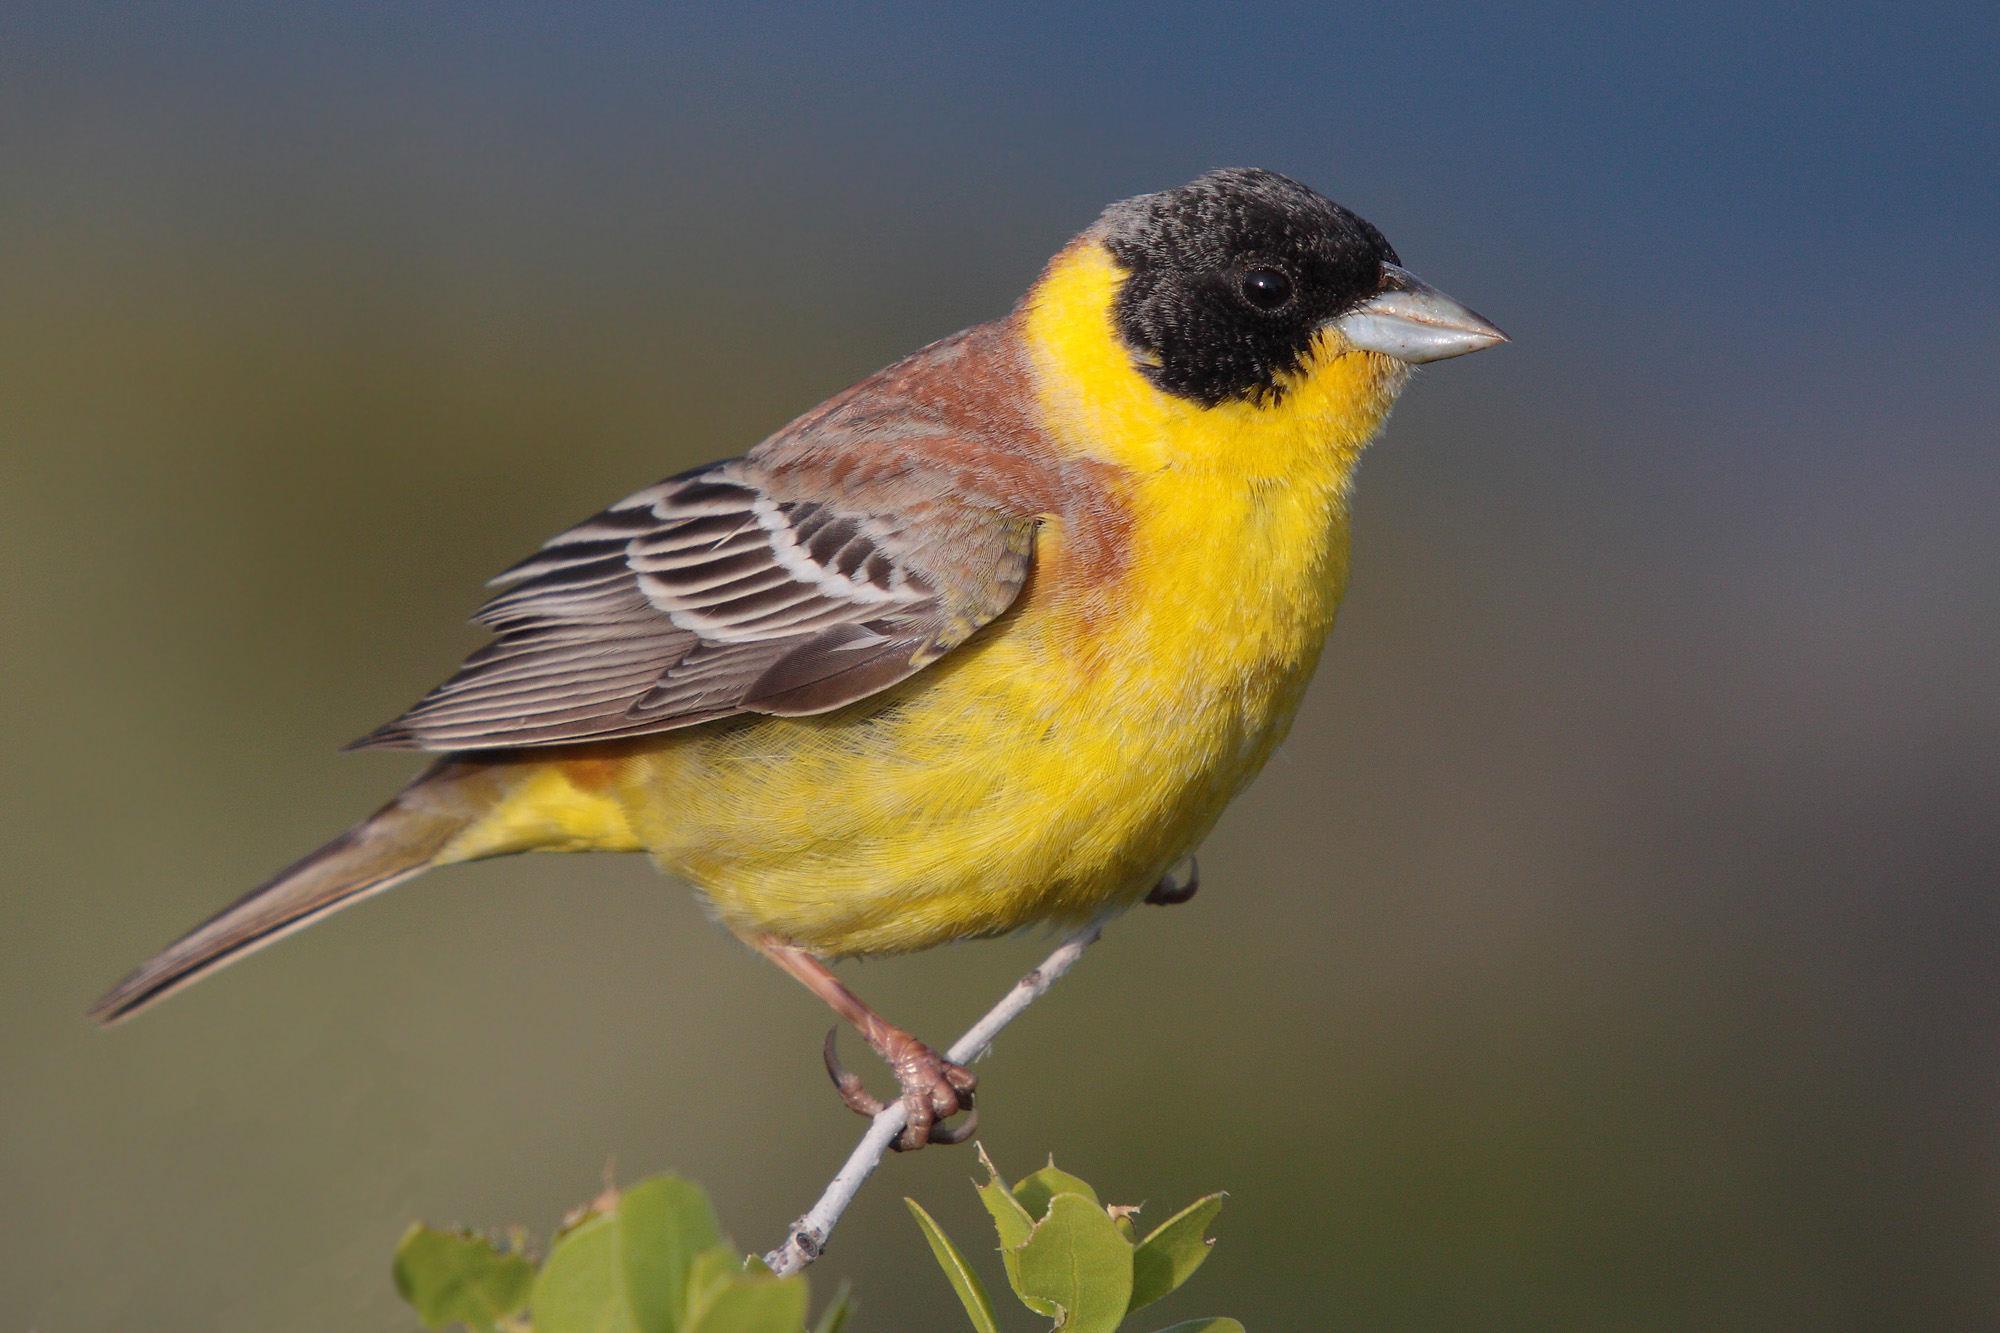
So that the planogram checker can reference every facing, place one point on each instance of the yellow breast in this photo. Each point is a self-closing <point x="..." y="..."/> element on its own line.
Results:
<point x="1078" y="746"/>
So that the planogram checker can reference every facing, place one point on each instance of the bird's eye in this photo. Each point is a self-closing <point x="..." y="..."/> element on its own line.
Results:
<point x="1266" y="289"/>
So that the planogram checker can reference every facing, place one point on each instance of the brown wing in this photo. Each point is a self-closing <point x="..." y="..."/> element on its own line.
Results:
<point x="838" y="558"/>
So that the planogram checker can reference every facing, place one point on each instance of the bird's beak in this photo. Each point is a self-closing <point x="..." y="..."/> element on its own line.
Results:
<point x="1413" y="321"/>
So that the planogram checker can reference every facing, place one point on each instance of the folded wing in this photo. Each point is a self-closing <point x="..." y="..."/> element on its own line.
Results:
<point x="739" y="587"/>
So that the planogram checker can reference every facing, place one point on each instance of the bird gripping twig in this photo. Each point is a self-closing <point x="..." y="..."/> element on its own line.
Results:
<point x="809" y="1234"/>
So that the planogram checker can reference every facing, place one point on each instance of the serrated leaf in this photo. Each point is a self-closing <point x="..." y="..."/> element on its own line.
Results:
<point x="755" y="1303"/>
<point x="833" y="1319"/>
<point x="1077" y="1262"/>
<point x="1206" y="1326"/>
<point x="1010" y="1219"/>
<point x="1014" y="1226"/>
<point x="971" y="1291"/>
<point x="663" y="1224"/>
<point x="1174" y="1249"/>
<point x="581" y="1288"/>
<point x="457" y="1277"/>
<point x="1035" y="1191"/>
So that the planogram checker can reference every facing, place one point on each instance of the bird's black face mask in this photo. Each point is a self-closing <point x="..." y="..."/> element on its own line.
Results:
<point x="1229" y="279"/>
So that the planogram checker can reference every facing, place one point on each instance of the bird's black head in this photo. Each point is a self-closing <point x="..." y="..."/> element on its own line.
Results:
<point x="1229" y="277"/>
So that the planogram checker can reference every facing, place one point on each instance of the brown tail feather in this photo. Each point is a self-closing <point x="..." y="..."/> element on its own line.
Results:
<point x="398" y="841"/>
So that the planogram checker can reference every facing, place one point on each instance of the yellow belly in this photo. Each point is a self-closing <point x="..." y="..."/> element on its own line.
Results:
<point x="1059" y="761"/>
<point x="1037" y="773"/>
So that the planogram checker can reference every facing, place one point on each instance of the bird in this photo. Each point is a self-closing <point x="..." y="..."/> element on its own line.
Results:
<point x="987" y="640"/>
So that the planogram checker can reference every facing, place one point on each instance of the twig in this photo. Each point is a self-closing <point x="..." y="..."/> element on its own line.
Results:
<point x="809" y="1234"/>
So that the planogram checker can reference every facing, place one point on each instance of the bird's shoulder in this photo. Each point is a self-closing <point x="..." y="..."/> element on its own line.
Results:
<point x="954" y="432"/>
<point x="842" y="554"/>
<point x="961" y="417"/>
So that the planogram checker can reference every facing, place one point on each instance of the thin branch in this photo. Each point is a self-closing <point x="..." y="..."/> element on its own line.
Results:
<point x="808" y="1238"/>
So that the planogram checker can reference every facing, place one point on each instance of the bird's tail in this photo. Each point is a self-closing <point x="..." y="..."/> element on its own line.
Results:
<point x="458" y="810"/>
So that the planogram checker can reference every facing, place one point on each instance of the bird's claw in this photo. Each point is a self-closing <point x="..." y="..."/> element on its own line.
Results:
<point x="1178" y="885"/>
<point x="934" y="1090"/>
<point x="848" y="1083"/>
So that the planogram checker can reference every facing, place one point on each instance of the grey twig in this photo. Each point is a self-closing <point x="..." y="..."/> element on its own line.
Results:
<point x="808" y="1237"/>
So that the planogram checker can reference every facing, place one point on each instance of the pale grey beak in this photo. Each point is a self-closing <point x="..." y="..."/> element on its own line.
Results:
<point x="1413" y="321"/>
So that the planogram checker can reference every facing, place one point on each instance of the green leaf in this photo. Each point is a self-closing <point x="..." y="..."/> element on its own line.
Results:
<point x="971" y="1291"/>
<point x="1206" y="1326"/>
<point x="1014" y="1226"/>
<point x="755" y="1303"/>
<point x="1010" y="1219"/>
<point x="834" y="1318"/>
<point x="457" y="1277"/>
<point x="663" y="1223"/>
<point x="709" y="1275"/>
<point x="581" y="1287"/>
<point x="1077" y="1261"/>
<point x="1035" y="1191"/>
<point x="1178" y="1246"/>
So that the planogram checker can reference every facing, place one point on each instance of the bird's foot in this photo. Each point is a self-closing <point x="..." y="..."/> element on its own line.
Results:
<point x="934" y="1089"/>
<point x="1178" y="885"/>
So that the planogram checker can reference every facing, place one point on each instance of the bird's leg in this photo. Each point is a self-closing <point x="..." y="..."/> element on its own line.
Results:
<point x="934" y="1089"/>
<point x="1178" y="885"/>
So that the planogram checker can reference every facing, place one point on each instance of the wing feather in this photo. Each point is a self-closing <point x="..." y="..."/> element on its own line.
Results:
<point x="714" y="593"/>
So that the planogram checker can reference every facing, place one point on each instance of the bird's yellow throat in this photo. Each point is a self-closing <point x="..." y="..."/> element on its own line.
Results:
<point x="1099" y="401"/>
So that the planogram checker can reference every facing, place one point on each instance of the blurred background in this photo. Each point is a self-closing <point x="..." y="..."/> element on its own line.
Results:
<point x="1613" y="945"/>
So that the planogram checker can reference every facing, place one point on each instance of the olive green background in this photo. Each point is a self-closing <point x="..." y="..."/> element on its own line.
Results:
<point x="1613" y="944"/>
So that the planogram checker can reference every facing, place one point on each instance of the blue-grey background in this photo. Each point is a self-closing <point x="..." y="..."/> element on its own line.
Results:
<point x="1613" y="946"/>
